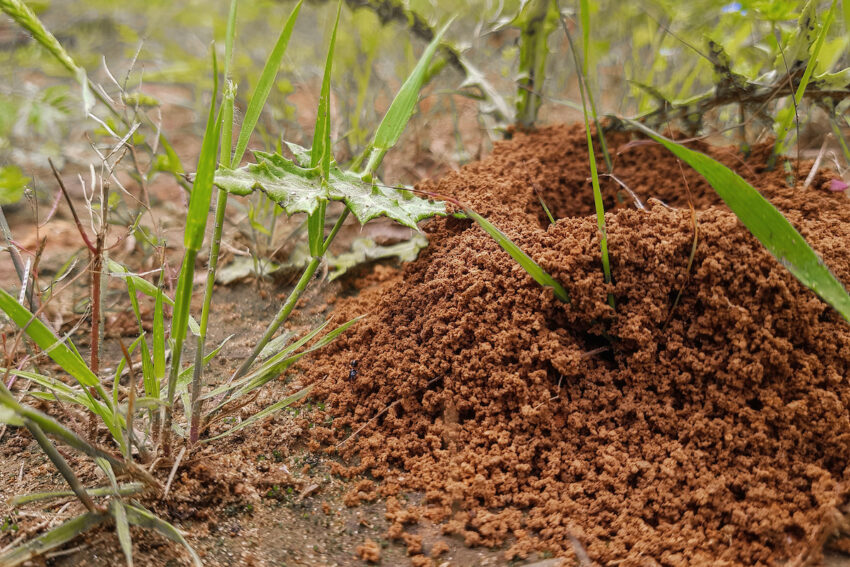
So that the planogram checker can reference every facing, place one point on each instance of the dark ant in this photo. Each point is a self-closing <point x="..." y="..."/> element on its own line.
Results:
<point x="352" y="374"/>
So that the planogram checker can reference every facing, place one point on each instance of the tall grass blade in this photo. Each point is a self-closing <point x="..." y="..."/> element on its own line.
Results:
<point x="196" y="222"/>
<point x="585" y="35"/>
<point x="523" y="259"/>
<point x="321" y="152"/>
<point x="404" y="104"/>
<point x="765" y="222"/>
<point x="264" y="85"/>
<point x="51" y="540"/>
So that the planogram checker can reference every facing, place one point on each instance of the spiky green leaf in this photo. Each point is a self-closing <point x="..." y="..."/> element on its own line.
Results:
<point x="299" y="189"/>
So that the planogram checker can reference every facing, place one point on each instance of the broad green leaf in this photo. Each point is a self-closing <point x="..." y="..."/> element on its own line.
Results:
<point x="52" y="539"/>
<point x="404" y="103"/>
<point x="264" y="413"/>
<point x="523" y="259"/>
<point x="264" y="85"/>
<point x="143" y="518"/>
<point x="766" y="223"/>
<point x="298" y="189"/>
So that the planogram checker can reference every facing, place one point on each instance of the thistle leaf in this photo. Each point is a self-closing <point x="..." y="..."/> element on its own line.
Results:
<point x="299" y="189"/>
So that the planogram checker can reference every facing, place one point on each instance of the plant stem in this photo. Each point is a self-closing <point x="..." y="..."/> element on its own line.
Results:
<point x="179" y="323"/>
<point x="281" y="316"/>
<point x="197" y="382"/>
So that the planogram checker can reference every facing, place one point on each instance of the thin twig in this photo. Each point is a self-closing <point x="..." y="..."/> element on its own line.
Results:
<point x="173" y="472"/>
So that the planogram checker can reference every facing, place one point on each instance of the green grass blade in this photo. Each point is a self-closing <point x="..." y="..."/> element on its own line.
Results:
<point x="404" y="103"/>
<point x="584" y="15"/>
<point x="230" y="35"/>
<point x="142" y="518"/>
<point x="787" y="118"/>
<point x="320" y="153"/>
<point x="158" y="345"/>
<point x="51" y="540"/>
<point x="765" y="222"/>
<point x="523" y="259"/>
<point x="264" y="86"/>
<point x="199" y="201"/>
<point x="68" y="359"/>
<point x="122" y="529"/>
<point x="26" y="18"/>
<point x="584" y="89"/>
<point x="265" y="412"/>
<point x="123" y="490"/>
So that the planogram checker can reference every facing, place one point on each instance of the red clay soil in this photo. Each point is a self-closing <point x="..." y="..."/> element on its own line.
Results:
<point x="721" y="436"/>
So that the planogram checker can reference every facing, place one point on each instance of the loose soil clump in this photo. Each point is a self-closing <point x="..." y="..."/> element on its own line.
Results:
<point x="711" y="431"/>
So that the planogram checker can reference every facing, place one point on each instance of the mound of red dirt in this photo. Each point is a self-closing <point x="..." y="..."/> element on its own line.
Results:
<point x="716" y="432"/>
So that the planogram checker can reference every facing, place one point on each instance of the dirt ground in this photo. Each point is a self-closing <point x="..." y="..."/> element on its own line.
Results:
<point x="487" y="423"/>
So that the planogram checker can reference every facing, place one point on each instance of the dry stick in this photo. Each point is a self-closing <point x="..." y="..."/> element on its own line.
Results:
<point x="773" y="156"/>
<point x="96" y="251"/>
<point x="628" y="189"/>
<point x="131" y="402"/>
<point x="16" y="260"/>
<point x="173" y="472"/>
<point x="816" y="165"/>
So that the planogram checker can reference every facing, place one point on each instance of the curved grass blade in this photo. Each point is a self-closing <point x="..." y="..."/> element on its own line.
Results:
<point x="144" y="519"/>
<point x="264" y="86"/>
<point x="765" y="222"/>
<point x="52" y="539"/>
<point x="404" y="104"/>
<point x="523" y="259"/>
<point x="56" y="349"/>
<point x="26" y="18"/>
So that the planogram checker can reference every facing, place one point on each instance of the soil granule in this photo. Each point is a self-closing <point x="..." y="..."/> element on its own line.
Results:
<point x="716" y="432"/>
